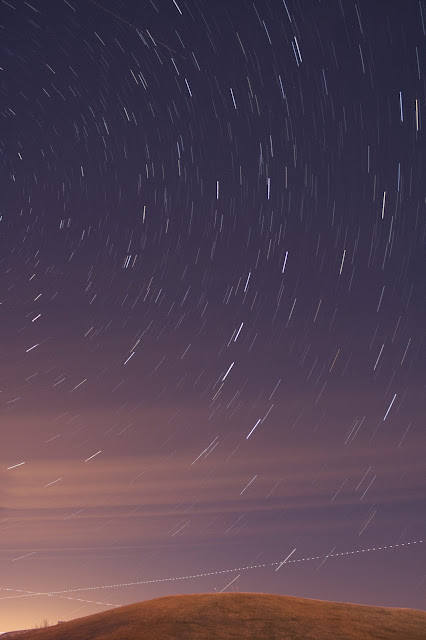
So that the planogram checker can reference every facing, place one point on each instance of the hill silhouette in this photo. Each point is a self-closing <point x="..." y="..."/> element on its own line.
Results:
<point x="241" y="616"/>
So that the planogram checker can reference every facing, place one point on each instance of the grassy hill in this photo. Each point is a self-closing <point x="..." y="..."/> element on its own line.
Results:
<point x="241" y="616"/>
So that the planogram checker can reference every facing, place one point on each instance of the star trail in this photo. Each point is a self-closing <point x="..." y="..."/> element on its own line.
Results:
<point x="212" y="260"/>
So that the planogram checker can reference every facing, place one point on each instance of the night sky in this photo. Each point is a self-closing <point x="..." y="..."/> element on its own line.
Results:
<point x="212" y="353"/>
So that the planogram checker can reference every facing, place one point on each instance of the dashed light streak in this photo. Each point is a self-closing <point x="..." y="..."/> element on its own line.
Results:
<point x="215" y="573"/>
<point x="28" y="594"/>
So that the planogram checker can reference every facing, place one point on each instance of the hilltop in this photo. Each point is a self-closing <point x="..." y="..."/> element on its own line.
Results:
<point x="241" y="616"/>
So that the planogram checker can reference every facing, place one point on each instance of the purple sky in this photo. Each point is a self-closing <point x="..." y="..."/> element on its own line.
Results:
<point x="212" y="311"/>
